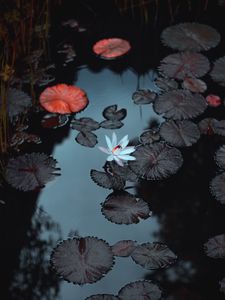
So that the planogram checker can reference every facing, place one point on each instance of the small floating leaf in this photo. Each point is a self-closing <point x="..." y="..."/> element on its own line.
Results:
<point x="124" y="248"/>
<point x="111" y="48"/>
<point x="140" y="290"/>
<point x="180" y="133"/>
<point x="124" y="208"/>
<point x="82" y="260"/>
<point x="156" y="161"/>
<point x="180" y="104"/>
<point x="84" y="124"/>
<point x="143" y="97"/>
<point x="190" y="36"/>
<point x="111" y="113"/>
<point x="220" y="157"/>
<point x="87" y="139"/>
<point x="218" y="71"/>
<point x="54" y="121"/>
<point x="153" y="256"/>
<point x="107" y="180"/>
<point x="213" y="100"/>
<point x="194" y="85"/>
<point x="218" y="187"/>
<point x="150" y="136"/>
<point x="215" y="247"/>
<point x="111" y="124"/>
<point x="185" y="64"/>
<point x="31" y="171"/>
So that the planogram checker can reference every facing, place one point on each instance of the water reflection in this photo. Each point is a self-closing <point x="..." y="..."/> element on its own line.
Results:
<point x="33" y="277"/>
<point x="74" y="200"/>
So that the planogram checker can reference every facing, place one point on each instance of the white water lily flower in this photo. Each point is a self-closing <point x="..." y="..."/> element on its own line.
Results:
<point x="118" y="151"/>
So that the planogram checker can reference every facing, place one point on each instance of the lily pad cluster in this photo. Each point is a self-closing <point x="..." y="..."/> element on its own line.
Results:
<point x="83" y="260"/>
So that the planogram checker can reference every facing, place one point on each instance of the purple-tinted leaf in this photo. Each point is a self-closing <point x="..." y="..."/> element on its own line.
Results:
<point x="194" y="85"/>
<point x="30" y="171"/>
<point x="140" y="290"/>
<point x="218" y="71"/>
<point x="153" y="256"/>
<point x="84" y="124"/>
<point x="124" y="248"/>
<point x="87" y="139"/>
<point x="185" y="64"/>
<point x="82" y="260"/>
<point x="143" y="97"/>
<point x="156" y="161"/>
<point x="215" y="247"/>
<point x="124" y="208"/>
<point x="111" y="113"/>
<point x="190" y="36"/>
<point x="217" y="187"/>
<point x="166" y="84"/>
<point x="150" y="136"/>
<point x="124" y="172"/>
<point x="220" y="157"/>
<point x="111" y="124"/>
<point x="107" y="180"/>
<point x="180" y="133"/>
<point x="180" y="104"/>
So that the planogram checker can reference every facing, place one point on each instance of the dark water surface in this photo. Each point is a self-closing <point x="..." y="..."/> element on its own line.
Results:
<point x="185" y="215"/>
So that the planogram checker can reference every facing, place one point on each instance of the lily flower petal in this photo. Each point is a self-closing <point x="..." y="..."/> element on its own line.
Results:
<point x="108" y="142"/>
<point x="114" y="140"/>
<point x="127" y="150"/>
<point x="124" y="142"/>
<point x="110" y="158"/>
<point x="103" y="149"/>
<point x="118" y="160"/>
<point x="126" y="157"/>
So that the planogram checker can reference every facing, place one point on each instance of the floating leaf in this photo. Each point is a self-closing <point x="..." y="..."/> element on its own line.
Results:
<point x="215" y="247"/>
<point x="87" y="139"/>
<point x="140" y="290"/>
<point x="63" y="99"/>
<point x="190" y="36"/>
<point x="123" y="248"/>
<point x="102" y="297"/>
<point x="194" y="85"/>
<point x="54" y="121"/>
<point x="143" y="97"/>
<point x="222" y="286"/>
<point x="156" y="161"/>
<point x="111" y="113"/>
<point x="213" y="100"/>
<point x="166" y="84"/>
<point x="107" y="180"/>
<point x="124" y="172"/>
<point x="111" y="48"/>
<point x="82" y="260"/>
<point x="84" y="124"/>
<point x="150" y="136"/>
<point x="111" y="124"/>
<point x="218" y="71"/>
<point x="220" y="157"/>
<point x="180" y="104"/>
<point x="124" y="208"/>
<point x="185" y="64"/>
<point x="180" y="133"/>
<point x="30" y="171"/>
<point x="212" y="126"/>
<point x="17" y="102"/>
<point x="153" y="256"/>
<point x="218" y="187"/>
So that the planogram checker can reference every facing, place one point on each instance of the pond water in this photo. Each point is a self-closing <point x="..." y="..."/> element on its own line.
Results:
<point x="185" y="213"/>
